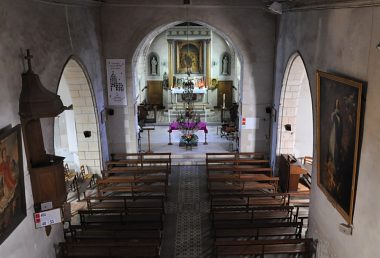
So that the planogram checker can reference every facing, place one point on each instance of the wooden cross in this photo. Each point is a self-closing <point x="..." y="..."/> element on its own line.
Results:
<point x="29" y="58"/>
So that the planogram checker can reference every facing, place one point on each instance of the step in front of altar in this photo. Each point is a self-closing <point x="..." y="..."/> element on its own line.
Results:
<point x="200" y="112"/>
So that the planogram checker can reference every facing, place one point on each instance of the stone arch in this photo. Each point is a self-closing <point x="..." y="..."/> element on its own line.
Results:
<point x="71" y="126"/>
<point x="141" y="55"/>
<point x="295" y="127"/>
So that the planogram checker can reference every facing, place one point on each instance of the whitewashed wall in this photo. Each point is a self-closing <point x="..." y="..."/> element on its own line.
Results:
<point x="251" y="31"/>
<point x="53" y="33"/>
<point x="340" y="41"/>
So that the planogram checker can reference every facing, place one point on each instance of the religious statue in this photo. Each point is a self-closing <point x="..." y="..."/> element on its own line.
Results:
<point x="153" y="64"/>
<point x="225" y="65"/>
<point x="335" y="140"/>
<point x="165" y="80"/>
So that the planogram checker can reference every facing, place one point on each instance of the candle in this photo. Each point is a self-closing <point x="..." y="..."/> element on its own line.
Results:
<point x="224" y="100"/>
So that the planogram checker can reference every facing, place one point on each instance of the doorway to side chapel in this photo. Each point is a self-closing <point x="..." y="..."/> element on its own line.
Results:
<point x="295" y="127"/>
<point x="76" y="134"/>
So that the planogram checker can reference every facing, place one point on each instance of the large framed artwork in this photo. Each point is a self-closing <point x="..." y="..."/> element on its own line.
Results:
<point x="338" y="132"/>
<point x="189" y="54"/>
<point x="12" y="190"/>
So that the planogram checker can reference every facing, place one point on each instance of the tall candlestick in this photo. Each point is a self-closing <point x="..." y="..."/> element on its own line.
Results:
<point x="224" y="100"/>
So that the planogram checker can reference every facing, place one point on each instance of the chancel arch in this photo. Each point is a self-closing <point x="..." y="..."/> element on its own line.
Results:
<point x="186" y="52"/>
<point x="76" y="135"/>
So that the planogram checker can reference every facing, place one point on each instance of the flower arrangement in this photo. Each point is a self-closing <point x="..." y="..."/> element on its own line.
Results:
<point x="189" y="139"/>
<point x="188" y="124"/>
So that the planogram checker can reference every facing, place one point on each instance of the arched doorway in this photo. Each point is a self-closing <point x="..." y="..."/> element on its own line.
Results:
<point x="76" y="134"/>
<point x="295" y="127"/>
<point x="216" y="66"/>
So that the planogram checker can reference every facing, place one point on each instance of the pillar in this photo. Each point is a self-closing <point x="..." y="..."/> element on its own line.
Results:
<point x="208" y="62"/>
<point x="170" y="62"/>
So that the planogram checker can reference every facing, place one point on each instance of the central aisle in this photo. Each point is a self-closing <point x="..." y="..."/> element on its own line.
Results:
<point x="187" y="226"/>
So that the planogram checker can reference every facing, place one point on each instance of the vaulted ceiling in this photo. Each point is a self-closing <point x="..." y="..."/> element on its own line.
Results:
<point x="286" y="5"/>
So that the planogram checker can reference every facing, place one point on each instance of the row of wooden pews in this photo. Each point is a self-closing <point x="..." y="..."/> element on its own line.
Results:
<point x="248" y="215"/>
<point x="126" y="218"/>
<point x="239" y="172"/>
<point x="136" y="174"/>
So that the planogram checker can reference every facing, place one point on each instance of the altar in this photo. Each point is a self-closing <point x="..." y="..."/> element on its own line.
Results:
<point x="199" y="93"/>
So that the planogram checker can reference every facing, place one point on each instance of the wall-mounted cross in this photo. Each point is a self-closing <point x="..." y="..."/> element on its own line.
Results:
<point x="29" y="58"/>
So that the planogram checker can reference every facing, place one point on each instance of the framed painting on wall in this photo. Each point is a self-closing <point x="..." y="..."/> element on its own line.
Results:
<point x="189" y="54"/>
<point x="12" y="190"/>
<point x="339" y="102"/>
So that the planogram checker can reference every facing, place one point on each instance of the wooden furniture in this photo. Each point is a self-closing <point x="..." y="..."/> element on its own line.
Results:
<point x="289" y="173"/>
<point x="225" y="89"/>
<point x="259" y="230"/>
<point x="46" y="171"/>
<point x="148" y="128"/>
<point x="264" y="247"/>
<point x="155" y="93"/>
<point x="136" y="174"/>
<point x="142" y="113"/>
<point x="241" y="172"/>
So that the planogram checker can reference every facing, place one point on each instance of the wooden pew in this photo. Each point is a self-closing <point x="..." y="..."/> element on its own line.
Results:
<point x="264" y="247"/>
<point x="262" y="213"/>
<point x="127" y="203"/>
<point x="109" y="249"/>
<point x="239" y="172"/>
<point x="243" y="187"/>
<point x="133" y="185"/>
<point x="100" y="217"/>
<point x="153" y="236"/>
<point x="247" y="200"/>
<point x="227" y="157"/>
<point x="258" y="230"/>
<point x="140" y="159"/>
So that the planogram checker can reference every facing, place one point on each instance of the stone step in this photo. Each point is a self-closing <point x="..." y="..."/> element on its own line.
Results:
<point x="201" y="114"/>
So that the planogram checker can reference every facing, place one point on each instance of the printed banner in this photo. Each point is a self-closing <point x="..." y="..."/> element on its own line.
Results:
<point x="117" y="95"/>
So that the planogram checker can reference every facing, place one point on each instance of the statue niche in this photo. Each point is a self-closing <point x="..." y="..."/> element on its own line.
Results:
<point x="153" y="63"/>
<point x="226" y="64"/>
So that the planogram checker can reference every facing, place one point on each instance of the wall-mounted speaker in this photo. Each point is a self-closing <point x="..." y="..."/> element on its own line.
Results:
<point x="87" y="134"/>
<point x="110" y="111"/>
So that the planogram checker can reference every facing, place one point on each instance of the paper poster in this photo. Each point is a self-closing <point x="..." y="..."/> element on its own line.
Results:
<point x="250" y="123"/>
<point x="116" y="82"/>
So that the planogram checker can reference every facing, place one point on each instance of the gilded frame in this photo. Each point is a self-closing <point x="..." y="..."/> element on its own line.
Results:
<point x="12" y="189"/>
<point x="193" y="50"/>
<point x="339" y="107"/>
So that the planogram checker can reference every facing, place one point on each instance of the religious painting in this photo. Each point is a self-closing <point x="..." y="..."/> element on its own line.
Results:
<point x="338" y="130"/>
<point x="12" y="190"/>
<point x="189" y="57"/>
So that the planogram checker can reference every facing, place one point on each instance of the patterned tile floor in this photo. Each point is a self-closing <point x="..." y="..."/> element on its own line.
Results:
<point x="187" y="227"/>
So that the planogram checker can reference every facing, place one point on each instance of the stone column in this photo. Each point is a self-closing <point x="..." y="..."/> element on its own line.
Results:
<point x="208" y="62"/>
<point x="170" y="62"/>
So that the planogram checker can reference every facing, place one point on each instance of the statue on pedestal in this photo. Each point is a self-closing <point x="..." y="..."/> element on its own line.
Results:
<point x="153" y="64"/>
<point x="225" y="65"/>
